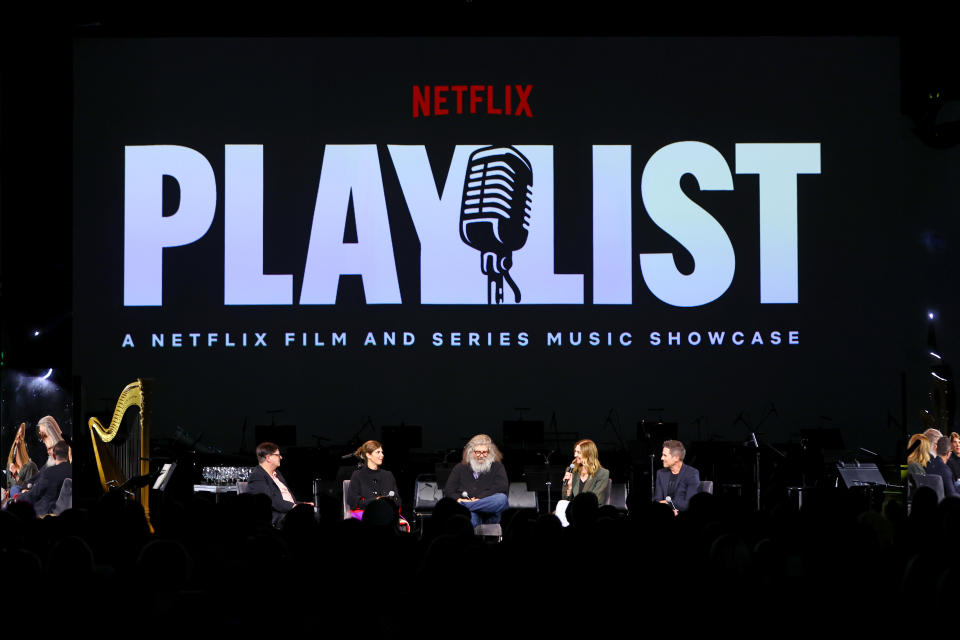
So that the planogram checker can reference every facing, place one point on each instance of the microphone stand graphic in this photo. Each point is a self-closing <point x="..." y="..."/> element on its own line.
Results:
<point x="495" y="213"/>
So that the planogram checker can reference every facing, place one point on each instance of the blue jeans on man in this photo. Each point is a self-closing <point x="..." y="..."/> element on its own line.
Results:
<point x="487" y="510"/>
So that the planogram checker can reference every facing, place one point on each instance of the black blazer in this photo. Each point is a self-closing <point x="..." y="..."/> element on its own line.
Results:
<point x="688" y="484"/>
<point x="937" y="466"/>
<point x="261" y="482"/>
<point x="46" y="487"/>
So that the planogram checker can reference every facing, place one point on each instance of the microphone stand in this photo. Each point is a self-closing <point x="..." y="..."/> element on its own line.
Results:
<point x="756" y="466"/>
<point x="752" y="442"/>
<point x="652" y="455"/>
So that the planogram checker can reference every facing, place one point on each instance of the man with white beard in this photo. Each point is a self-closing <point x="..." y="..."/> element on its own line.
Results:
<point x="480" y="482"/>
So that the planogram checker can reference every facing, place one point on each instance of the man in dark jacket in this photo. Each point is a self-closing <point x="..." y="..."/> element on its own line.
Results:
<point x="938" y="466"/>
<point x="480" y="482"/>
<point x="46" y="485"/>
<point x="676" y="482"/>
<point x="266" y="479"/>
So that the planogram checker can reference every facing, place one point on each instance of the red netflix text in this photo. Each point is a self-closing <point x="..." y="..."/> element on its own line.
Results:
<point x="458" y="99"/>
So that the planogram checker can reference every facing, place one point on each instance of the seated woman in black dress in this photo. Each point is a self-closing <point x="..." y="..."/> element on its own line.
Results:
<point x="370" y="482"/>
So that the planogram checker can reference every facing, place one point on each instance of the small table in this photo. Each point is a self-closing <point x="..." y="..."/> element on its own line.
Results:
<point x="215" y="489"/>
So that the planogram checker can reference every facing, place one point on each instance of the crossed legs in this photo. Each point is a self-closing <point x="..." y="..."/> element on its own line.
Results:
<point x="487" y="510"/>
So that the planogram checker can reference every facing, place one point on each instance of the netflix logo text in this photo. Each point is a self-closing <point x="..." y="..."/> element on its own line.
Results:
<point x="461" y="99"/>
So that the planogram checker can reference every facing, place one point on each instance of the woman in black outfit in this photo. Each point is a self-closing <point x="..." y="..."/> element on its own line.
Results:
<point x="370" y="482"/>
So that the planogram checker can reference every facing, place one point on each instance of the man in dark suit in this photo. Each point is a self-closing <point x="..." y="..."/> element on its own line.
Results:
<point x="676" y="482"/>
<point x="938" y="466"/>
<point x="45" y="489"/>
<point x="266" y="479"/>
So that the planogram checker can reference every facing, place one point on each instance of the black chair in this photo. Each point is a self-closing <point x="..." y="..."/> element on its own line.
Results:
<point x="65" y="499"/>
<point x="346" y="507"/>
<point x="617" y="495"/>
<point x="426" y="494"/>
<point x="519" y="497"/>
<point x="917" y="480"/>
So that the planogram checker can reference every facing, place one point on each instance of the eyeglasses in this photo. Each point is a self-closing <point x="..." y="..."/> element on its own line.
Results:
<point x="480" y="452"/>
<point x="278" y="454"/>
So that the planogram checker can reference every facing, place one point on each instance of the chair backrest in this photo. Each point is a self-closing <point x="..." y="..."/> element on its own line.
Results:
<point x="489" y="531"/>
<point x="706" y="486"/>
<point x="242" y="486"/>
<point x="346" y="507"/>
<point x="608" y="491"/>
<point x="65" y="499"/>
<point x="519" y="497"/>
<point x="426" y="493"/>
<point x="617" y="495"/>
<point x="917" y="480"/>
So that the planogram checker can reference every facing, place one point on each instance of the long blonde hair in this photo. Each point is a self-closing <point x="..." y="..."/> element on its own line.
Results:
<point x="920" y="455"/>
<point x="589" y="458"/>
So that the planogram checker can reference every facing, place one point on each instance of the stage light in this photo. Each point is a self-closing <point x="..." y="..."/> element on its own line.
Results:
<point x="47" y="374"/>
<point x="930" y="315"/>
<point x="936" y="355"/>
<point x="938" y="377"/>
<point x="36" y="332"/>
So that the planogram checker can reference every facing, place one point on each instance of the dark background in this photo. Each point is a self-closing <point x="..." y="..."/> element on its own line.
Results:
<point x="875" y="225"/>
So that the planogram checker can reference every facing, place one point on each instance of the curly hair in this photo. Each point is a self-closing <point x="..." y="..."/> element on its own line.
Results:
<point x="477" y="440"/>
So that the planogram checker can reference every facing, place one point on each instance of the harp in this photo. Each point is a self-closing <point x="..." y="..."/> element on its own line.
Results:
<point x="122" y="449"/>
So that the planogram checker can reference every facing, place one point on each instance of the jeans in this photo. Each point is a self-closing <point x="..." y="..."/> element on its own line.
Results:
<point x="487" y="510"/>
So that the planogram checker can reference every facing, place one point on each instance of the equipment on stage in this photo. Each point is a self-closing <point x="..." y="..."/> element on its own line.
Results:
<point x="867" y="480"/>
<point x="861" y="475"/>
<point x="122" y="449"/>
<point x="163" y="478"/>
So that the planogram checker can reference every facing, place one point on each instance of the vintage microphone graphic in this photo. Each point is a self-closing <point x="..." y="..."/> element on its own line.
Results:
<point x="495" y="213"/>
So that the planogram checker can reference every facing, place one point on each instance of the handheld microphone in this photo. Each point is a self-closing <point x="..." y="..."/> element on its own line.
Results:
<point x="495" y="213"/>
<point x="464" y="495"/>
<point x="570" y="469"/>
<point x="670" y="503"/>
